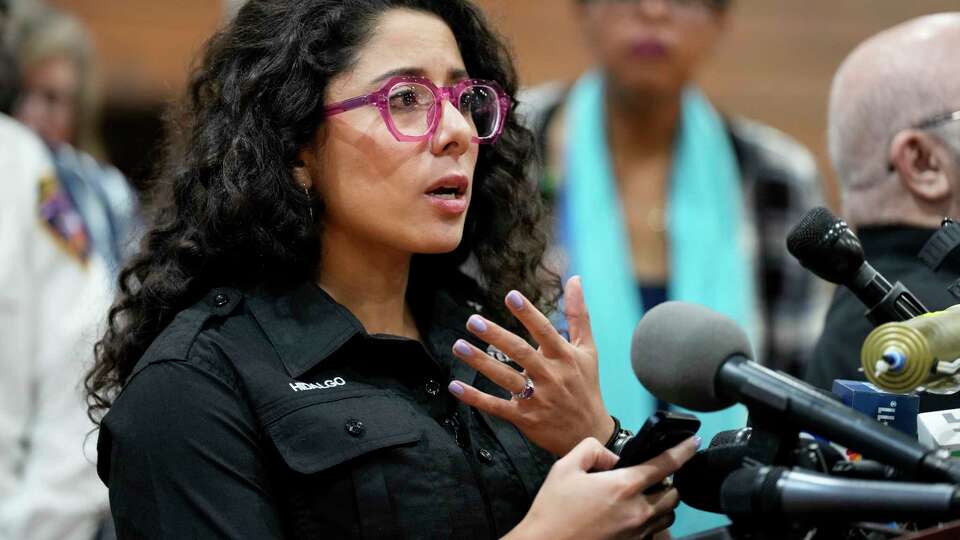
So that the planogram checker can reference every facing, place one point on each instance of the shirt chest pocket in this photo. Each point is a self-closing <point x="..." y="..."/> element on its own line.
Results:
<point x="325" y="430"/>
<point x="338" y="446"/>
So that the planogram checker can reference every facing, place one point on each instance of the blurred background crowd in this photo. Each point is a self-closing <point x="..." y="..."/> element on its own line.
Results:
<point x="774" y="63"/>
<point x="92" y="79"/>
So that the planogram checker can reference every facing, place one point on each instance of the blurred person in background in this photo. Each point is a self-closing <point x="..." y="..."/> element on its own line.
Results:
<point x="894" y="134"/>
<point x="58" y="100"/>
<point x="9" y="74"/>
<point x="52" y="290"/>
<point x="658" y="196"/>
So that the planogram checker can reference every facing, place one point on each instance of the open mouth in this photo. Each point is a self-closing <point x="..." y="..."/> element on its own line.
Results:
<point x="448" y="193"/>
<point x="449" y="188"/>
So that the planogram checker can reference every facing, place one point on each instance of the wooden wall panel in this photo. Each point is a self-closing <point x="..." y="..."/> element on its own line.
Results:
<point x="145" y="47"/>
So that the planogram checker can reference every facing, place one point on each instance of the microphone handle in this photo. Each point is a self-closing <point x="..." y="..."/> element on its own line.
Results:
<point x="885" y="303"/>
<point x="781" y="396"/>
<point x="779" y="492"/>
<point x="866" y="500"/>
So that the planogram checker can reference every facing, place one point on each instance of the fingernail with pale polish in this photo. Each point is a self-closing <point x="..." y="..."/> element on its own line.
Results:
<point x="455" y="388"/>
<point x="515" y="300"/>
<point x="476" y="324"/>
<point x="697" y="441"/>
<point x="461" y="348"/>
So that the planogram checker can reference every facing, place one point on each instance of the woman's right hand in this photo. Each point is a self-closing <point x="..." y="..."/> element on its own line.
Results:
<point x="577" y="503"/>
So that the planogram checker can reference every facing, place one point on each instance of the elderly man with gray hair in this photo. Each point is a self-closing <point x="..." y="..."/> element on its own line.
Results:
<point x="894" y="132"/>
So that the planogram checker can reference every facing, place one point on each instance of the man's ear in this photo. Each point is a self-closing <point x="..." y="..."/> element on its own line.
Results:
<point x="919" y="160"/>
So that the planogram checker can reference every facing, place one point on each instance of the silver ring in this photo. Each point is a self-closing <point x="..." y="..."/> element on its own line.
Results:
<point x="527" y="391"/>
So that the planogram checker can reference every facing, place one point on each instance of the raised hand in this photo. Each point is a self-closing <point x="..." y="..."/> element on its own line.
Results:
<point x="556" y="401"/>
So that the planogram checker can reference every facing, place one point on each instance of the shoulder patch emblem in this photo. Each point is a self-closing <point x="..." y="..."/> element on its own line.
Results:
<point x="62" y="220"/>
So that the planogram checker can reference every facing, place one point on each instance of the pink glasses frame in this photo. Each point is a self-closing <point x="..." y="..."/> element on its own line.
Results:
<point x="380" y="99"/>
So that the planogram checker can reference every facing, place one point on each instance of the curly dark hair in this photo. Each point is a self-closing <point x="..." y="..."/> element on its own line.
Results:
<point x="227" y="211"/>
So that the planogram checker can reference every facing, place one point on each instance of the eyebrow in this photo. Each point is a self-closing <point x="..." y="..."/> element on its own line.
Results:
<point x="453" y="74"/>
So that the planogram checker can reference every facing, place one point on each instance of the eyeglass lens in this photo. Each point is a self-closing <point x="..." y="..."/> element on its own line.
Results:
<point x="412" y="107"/>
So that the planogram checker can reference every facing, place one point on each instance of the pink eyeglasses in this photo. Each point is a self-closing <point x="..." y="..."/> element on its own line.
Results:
<point x="412" y="106"/>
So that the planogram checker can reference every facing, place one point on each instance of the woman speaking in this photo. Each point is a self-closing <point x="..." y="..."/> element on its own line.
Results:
<point x="295" y="351"/>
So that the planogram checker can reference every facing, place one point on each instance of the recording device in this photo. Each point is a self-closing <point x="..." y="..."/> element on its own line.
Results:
<point x="699" y="480"/>
<point x="708" y="366"/>
<point x="923" y="351"/>
<point x="826" y="246"/>
<point x="661" y="432"/>
<point x="775" y="493"/>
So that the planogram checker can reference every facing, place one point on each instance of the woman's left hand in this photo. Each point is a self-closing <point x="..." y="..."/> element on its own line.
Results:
<point x="565" y="406"/>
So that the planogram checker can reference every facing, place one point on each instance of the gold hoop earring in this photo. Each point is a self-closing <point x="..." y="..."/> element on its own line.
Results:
<point x="306" y="191"/>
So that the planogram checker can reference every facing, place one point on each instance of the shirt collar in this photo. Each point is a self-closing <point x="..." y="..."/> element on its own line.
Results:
<point x="306" y="325"/>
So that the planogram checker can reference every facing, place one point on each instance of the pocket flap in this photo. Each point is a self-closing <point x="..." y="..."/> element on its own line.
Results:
<point x="316" y="436"/>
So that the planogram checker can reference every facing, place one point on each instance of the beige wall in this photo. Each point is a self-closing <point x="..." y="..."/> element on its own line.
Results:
<point x="775" y="64"/>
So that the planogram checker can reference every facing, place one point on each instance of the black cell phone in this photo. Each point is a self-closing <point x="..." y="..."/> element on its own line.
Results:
<point x="659" y="433"/>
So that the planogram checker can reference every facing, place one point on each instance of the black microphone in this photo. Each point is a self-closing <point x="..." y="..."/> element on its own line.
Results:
<point x="706" y="365"/>
<point x="776" y="493"/>
<point x="826" y="246"/>
<point x="698" y="482"/>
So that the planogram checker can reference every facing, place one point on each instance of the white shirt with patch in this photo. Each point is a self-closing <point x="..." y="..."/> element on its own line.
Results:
<point x="52" y="304"/>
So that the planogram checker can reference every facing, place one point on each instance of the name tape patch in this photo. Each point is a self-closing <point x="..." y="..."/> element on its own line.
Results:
<point x="298" y="386"/>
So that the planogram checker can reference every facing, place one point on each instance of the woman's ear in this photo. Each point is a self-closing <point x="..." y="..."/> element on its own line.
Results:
<point x="301" y="175"/>
<point x="304" y="166"/>
<point x="919" y="160"/>
<point x="307" y="162"/>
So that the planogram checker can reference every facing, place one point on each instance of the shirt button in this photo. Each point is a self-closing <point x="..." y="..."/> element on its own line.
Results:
<point x="432" y="387"/>
<point x="355" y="427"/>
<point x="485" y="456"/>
<point x="221" y="300"/>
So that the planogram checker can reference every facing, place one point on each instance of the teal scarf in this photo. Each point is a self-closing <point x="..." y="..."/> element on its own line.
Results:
<point x="708" y="264"/>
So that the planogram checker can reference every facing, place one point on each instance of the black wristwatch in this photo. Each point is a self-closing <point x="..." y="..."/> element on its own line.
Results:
<point x="619" y="438"/>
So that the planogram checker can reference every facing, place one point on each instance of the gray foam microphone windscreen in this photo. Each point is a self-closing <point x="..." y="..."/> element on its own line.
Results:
<point x="678" y="348"/>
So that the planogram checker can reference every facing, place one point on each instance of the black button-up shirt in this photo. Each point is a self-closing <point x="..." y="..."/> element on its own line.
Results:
<point x="268" y="415"/>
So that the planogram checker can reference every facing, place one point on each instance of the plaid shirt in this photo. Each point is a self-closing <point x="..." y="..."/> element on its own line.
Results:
<point x="780" y="183"/>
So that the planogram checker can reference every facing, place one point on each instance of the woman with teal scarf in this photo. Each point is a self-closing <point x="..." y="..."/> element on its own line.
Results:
<point x="649" y="195"/>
